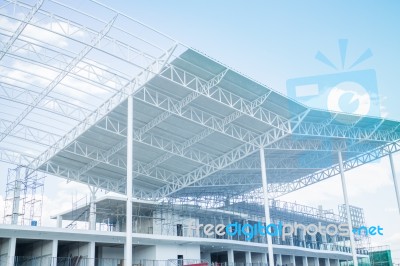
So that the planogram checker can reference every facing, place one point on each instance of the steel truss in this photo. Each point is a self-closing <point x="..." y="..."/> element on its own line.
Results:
<point x="372" y="155"/>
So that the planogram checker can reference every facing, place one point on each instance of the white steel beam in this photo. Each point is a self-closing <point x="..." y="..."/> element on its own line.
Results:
<point x="20" y="28"/>
<point x="15" y="157"/>
<point x="284" y="188"/>
<point x="266" y="206"/>
<point x="396" y="185"/>
<point x="202" y="135"/>
<point x="120" y="96"/>
<point x="154" y="122"/>
<point x="32" y="134"/>
<point x="194" y="83"/>
<point x="51" y="104"/>
<point x="129" y="186"/>
<point x="57" y="80"/>
<point x="346" y="202"/>
<point x="308" y="129"/>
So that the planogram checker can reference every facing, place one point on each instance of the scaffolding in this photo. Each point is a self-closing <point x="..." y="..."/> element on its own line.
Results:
<point x="380" y="256"/>
<point x="24" y="197"/>
<point x="357" y="221"/>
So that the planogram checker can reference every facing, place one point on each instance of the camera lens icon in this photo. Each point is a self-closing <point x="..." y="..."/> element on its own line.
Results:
<point x="353" y="92"/>
<point x="349" y="97"/>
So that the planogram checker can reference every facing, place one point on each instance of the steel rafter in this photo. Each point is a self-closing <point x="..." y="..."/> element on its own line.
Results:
<point x="194" y="83"/>
<point x="153" y="123"/>
<point x="29" y="133"/>
<point x="57" y="80"/>
<point x="345" y="131"/>
<point x="14" y="157"/>
<point x="281" y="189"/>
<point x="120" y="96"/>
<point x="20" y="28"/>
<point x="100" y="156"/>
<point x="51" y="104"/>
<point x="208" y="131"/>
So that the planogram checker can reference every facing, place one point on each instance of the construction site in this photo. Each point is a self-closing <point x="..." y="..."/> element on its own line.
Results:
<point x="177" y="143"/>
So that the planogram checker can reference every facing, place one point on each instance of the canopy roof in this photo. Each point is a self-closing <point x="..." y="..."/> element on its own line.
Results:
<point x="198" y="124"/>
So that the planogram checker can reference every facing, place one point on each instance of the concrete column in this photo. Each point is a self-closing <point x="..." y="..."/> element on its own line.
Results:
<point x="264" y="258"/>
<point x="92" y="214"/>
<point x="248" y="257"/>
<point x="231" y="257"/>
<point x="305" y="261"/>
<point x="292" y="260"/>
<point x="346" y="202"/>
<point x="278" y="259"/>
<point x="54" y="251"/>
<point x="266" y="205"/>
<point x="91" y="253"/>
<point x="396" y="186"/>
<point x="12" y="243"/>
<point x="327" y="262"/>
<point x="316" y="261"/>
<point x="59" y="221"/>
<point x="129" y="177"/>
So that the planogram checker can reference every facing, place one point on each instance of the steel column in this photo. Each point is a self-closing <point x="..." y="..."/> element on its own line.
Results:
<point x="129" y="177"/>
<point x="396" y="185"/>
<point x="266" y="206"/>
<point x="346" y="202"/>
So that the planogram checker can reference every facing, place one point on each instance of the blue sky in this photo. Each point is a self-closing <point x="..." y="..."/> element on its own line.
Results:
<point x="273" y="41"/>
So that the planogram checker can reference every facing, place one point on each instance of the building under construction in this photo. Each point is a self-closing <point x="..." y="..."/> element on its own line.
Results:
<point x="91" y="95"/>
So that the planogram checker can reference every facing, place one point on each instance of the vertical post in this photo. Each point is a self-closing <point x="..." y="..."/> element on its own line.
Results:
<point x="17" y="196"/>
<point x="266" y="206"/>
<point x="129" y="158"/>
<point x="12" y="244"/>
<point x="92" y="213"/>
<point x="346" y="202"/>
<point x="54" y="250"/>
<point x="396" y="186"/>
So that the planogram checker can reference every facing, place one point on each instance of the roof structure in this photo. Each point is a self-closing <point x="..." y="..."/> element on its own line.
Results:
<point x="197" y="126"/>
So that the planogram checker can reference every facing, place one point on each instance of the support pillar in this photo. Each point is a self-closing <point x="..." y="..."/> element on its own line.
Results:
<point x="248" y="257"/>
<point x="396" y="185"/>
<point x="266" y="205"/>
<point x="346" y="202"/>
<point x="54" y="251"/>
<point x="17" y="196"/>
<point x="231" y="257"/>
<point x="12" y="243"/>
<point x="327" y="262"/>
<point x="292" y="260"/>
<point x="305" y="261"/>
<point x="59" y="221"/>
<point x="278" y="260"/>
<point x="92" y="213"/>
<point x="316" y="261"/>
<point x="129" y="177"/>
<point x="91" y="253"/>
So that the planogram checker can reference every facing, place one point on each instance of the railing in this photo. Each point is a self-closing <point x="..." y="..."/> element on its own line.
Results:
<point x="60" y="261"/>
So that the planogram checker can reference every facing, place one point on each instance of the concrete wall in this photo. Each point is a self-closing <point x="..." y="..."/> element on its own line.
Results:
<point x="165" y="223"/>
<point x="111" y="252"/>
<point x="144" y="253"/>
<point x="165" y="252"/>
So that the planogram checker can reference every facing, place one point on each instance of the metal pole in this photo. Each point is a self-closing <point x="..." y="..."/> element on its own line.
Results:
<point x="346" y="202"/>
<point x="128" y="245"/>
<point x="266" y="206"/>
<point x="396" y="186"/>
